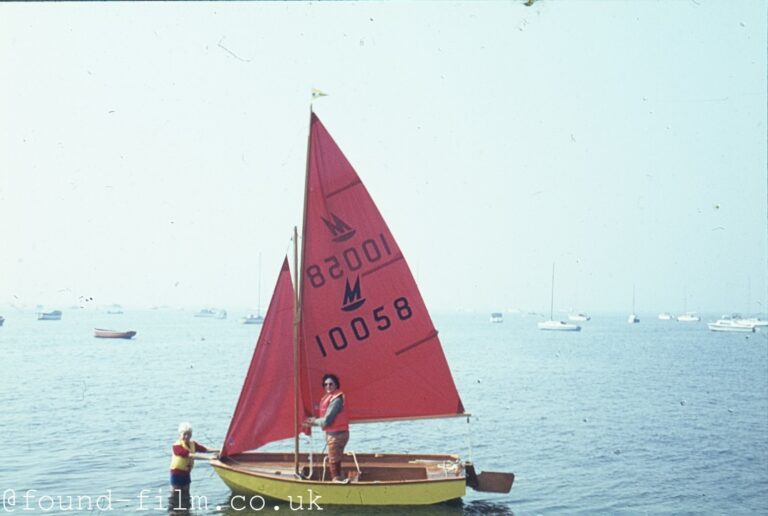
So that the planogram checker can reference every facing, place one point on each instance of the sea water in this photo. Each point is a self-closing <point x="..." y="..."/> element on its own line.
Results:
<point x="654" y="417"/>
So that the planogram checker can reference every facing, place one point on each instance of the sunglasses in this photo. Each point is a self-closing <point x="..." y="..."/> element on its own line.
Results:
<point x="329" y="383"/>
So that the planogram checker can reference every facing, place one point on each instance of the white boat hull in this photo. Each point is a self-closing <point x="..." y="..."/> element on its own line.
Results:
<point x="558" y="326"/>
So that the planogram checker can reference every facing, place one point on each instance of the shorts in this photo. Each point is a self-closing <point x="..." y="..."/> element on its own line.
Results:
<point x="180" y="480"/>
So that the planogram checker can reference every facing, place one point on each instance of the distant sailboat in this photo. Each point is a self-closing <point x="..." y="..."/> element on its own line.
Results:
<point x="687" y="316"/>
<point x="255" y="318"/>
<point x="633" y="318"/>
<point x="551" y="324"/>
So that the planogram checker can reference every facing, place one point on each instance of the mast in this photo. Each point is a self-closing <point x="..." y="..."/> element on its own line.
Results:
<point x="258" y="301"/>
<point x="552" y="294"/>
<point x="297" y="299"/>
<point x="633" y="299"/>
<point x="296" y="322"/>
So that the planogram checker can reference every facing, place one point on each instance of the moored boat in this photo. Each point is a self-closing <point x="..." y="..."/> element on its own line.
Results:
<point x="665" y="316"/>
<point x="497" y="317"/>
<point x="633" y="318"/>
<point x="112" y="334"/>
<point x="551" y="324"/>
<point x="252" y="319"/>
<point x="213" y="313"/>
<point x="115" y="310"/>
<point x="356" y="312"/>
<point x="49" y="316"/>
<point x="558" y="326"/>
<point x="689" y="317"/>
<point x="731" y="325"/>
<point x="580" y="317"/>
<point x="256" y="318"/>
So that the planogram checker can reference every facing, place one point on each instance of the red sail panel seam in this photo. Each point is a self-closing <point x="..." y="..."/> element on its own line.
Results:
<point x="347" y="187"/>
<point x="397" y="258"/>
<point x="418" y="343"/>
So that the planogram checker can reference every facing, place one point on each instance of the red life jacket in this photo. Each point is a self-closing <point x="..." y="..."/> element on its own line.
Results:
<point x="341" y="423"/>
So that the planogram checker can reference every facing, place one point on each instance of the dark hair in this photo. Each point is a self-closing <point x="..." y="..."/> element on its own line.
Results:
<point x="332" y="377"/>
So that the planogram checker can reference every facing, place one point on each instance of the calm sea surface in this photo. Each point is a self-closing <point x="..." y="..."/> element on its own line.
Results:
<point x="655" y="417"/>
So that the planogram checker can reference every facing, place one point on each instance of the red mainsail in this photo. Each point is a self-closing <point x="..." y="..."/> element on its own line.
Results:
<point x="362" y="316"/>
<point x="264" y="412"/>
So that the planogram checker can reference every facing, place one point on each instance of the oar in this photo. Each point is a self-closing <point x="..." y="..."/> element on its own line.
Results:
<point x="489" y="481"/>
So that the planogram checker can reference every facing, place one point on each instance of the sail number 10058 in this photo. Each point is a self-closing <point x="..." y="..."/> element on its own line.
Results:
<point x="350" y="259"/>
<point x="359" y="328"/>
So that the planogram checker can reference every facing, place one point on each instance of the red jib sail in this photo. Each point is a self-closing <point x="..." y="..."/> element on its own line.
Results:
<point x="264" y="412"/>
<point x="362" y="316"/>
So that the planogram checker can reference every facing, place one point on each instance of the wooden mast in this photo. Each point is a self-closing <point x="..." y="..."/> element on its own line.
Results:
<point x="297" y="301"/>
<point x="296" y="322"/>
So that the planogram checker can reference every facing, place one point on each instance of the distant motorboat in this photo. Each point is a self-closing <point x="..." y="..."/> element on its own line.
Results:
<point x="115" y="310"/>
<point x="665" y="316"/>
<point x="214" y="313"/>
<point x="497" y="317"/>
<point x="551" y="324"/>
<point x="558" y="326"/>
<point x="579" y="317"/>
<point x="252" y="319"/>
<point x="112" y="334"/>
<point x="49" y="316"/>
<point x="731" y="325"/>
<point x="689" y="317"/>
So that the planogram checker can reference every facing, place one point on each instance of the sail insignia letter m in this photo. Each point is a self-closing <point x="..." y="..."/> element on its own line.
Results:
<point x="353" y="299"/>
<point x="340" y="229"/>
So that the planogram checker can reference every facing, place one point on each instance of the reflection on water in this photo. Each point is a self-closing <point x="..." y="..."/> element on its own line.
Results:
<point x="253" y="506"/>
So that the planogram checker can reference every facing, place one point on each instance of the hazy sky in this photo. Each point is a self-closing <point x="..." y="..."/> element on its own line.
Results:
<point x="150" y="152"/>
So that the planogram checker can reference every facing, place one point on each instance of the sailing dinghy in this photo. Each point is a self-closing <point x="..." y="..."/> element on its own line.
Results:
<point x="356" y="312"/>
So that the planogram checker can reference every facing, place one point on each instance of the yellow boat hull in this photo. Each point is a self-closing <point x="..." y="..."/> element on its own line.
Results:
<point x="427" y="480"/>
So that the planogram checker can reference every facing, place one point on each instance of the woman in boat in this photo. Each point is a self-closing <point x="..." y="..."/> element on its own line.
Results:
<point x="334" y="421"/>
<point x="184" y="453"/>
